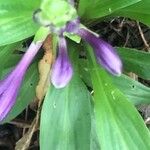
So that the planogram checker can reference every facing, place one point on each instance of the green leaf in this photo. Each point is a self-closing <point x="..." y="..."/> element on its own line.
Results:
<point x="26" y="94"/>
<point x="136" y="92"/>
<point x="73" y="37"/>
<point x="136" y="61"/>
<point x="84" y="71"/>
<point x="82" y="6"/>
<point x="95" y="145"/>
<point x="7" y="58"/>
<point x="119" y="125"/>
<point x="14" y="5"/>
<point x="16" y="21"/>
<point x="66" y="118"/>
<point x="100" y="8"/>
<point x="139" y="11"/>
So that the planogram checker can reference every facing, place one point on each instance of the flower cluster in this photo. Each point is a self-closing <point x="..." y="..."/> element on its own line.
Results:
<point x="62" y="70"/>
<point x="105" y="54"/>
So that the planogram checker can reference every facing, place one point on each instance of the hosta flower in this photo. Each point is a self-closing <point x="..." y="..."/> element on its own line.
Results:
<point x="60" y="21"/>
<point x="9" y="87"/>
<point x="62" y="69"/>
<point x="104" y="52"/>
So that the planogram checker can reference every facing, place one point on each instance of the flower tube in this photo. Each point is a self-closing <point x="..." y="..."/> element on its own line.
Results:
<point x="10" y="86"/>
<point x="62" y="69"/>
<point x="104" y="52"/>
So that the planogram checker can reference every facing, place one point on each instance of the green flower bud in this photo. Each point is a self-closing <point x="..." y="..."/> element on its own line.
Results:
<point x="57" y="12"/>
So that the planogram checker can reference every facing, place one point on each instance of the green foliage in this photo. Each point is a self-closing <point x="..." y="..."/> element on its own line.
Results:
<point x="139" y="11"/>
<point x="7" y="58"/>
<point x="136" y="61"/>
<point x="100" y="8"/>
<point x="66" y="118"/>
<point x="16" y="21"/>
<point x="135" y="92"/>
<point x="134" y="9"/>
<point x="117" y="120"/>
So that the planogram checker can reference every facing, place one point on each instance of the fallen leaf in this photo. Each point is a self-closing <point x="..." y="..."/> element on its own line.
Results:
<point x="44" y="69"/>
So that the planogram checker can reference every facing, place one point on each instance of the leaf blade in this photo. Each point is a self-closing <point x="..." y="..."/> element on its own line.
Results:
<point x="112" y="112"/>
<point x="71" y="114"/>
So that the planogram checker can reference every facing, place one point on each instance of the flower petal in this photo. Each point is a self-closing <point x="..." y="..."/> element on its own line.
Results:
<point x="62" y="68"/>
<point x="5" y="83"/>
<point x="8" y="97"/>
<point x="9" y="87"/>
<point x="73" y="26"/>
<point x="104" y="52"/>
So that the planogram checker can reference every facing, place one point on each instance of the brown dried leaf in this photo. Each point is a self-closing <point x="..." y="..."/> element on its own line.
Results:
<point x="44" y="69"/>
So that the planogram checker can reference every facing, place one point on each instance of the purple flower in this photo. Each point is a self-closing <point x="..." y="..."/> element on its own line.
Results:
<point x="104" y="52"/>
<point x="9" y="87"/>
<point x="62" y="68"/>
<point x="73" y="26"/>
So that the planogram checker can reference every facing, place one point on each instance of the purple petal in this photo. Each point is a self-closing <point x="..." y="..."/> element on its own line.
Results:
<point x="22" y="65"/>
<point x="8" y="97"/>
<point x="9" y="87"/>
<point x="62" y="68"/>
<point x="5" y="83"/>
<point x="28" y="56"/>
<point x="104" y="52"/>
<point x="73" y="26"/>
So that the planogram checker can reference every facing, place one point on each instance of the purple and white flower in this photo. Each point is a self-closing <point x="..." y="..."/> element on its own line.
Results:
<point x="9" y="87"/>
<point x="62" y="69"/>
<point x="104" y="53"/>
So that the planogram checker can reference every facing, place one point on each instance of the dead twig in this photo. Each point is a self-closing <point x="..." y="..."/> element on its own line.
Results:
<point x="20" y="124"/>
<point x="147" y="47"/>
<point x="25" y="141"/>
